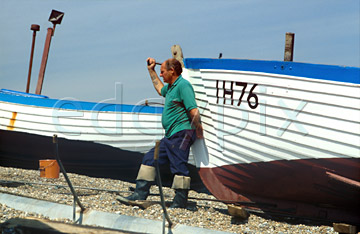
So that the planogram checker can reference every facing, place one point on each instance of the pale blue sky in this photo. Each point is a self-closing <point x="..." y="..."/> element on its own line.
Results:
<point x="103" y="42"/>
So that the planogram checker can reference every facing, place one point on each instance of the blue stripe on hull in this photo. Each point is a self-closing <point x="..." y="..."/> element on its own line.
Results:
<point x="35" y="100"/>
<point x="316" y="71"/>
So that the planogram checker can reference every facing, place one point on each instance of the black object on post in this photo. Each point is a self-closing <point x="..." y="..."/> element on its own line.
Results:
<point x="56" y="18"/>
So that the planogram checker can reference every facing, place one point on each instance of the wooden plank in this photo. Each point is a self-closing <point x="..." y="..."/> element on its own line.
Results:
<point x="344" y="228"/>
<point x="289" y="46"/>
<point x="238" y="211"/>
<point x="177" y="54"/>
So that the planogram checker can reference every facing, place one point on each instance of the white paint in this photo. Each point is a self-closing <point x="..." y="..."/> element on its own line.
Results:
<point x="297" y="118"/>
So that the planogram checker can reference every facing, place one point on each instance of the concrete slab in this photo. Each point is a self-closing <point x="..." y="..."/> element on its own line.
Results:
<point x="41" y="226"/>
<point x="94" y="217"/>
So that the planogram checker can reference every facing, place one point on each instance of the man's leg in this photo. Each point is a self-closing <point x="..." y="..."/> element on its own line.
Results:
<point x="178" y="148"/>
<point x="181" y="184"/>
<point x="144" y="180"/>
<point x="146" y="175"/>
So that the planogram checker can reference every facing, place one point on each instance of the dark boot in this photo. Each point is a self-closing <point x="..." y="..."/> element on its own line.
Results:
<point x="181" y="184"/>
<point x="180" y="199"/>
<point x="144" y="180"/>
<point x="141" y="192"/>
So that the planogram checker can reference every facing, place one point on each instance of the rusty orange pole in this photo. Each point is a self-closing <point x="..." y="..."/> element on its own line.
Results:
<point x="34" y="28"/>
<point x="44" y="60"/>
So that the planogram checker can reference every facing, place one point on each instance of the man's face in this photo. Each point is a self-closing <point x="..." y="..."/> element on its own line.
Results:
<point x="166" y="74"/>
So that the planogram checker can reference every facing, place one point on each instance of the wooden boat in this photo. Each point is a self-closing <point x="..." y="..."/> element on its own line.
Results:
<point x="95" y="139"/>
<point x="284" y="136"/>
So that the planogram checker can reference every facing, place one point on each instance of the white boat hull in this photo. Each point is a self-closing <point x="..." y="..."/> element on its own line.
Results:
<point x="279" y="132"/>
<point x="97" y="139"/>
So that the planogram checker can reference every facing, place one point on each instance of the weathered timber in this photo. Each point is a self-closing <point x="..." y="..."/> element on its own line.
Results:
<point x="289" y="46"/>
<point x="344" y="228"/>
<point x="177" y="54"/>
<point x="238" y="212"/>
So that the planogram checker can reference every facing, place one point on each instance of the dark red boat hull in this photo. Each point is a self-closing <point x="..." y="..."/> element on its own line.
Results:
<point x="314" y="188"/>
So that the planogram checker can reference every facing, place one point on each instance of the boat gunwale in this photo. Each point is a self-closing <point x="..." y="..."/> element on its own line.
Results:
<point x="297" y="69"/>
<point x="81" y="106"/>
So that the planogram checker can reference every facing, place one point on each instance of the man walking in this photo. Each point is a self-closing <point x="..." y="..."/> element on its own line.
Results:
<point x="181" y="121"/>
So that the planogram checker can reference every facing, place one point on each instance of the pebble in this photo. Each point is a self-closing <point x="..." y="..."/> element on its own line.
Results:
<point x="206" y="214"/>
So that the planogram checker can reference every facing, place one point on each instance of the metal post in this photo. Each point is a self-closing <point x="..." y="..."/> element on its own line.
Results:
<point x="74" y="209"/>
<point x="55" y="18"/>
<point x="165" y="214"/>
<point x="34" y="28"/>
<point x="44" y="60"/>
<point x="76" y="198"/>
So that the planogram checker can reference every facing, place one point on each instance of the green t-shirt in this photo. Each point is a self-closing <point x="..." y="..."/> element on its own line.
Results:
<point x="179" y="100"/>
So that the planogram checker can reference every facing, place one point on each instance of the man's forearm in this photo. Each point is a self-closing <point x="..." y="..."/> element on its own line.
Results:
<point x="196" y="122"/>
<point x="156" y="81"/>
<point x="195" y="117"/>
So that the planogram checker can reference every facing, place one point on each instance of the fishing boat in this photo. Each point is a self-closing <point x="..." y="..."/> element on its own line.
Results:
<point x="283" y="136"/>
<point x="93" y="136"/>
<point x="102" y="139"/>
<point x="95" y="139"/>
